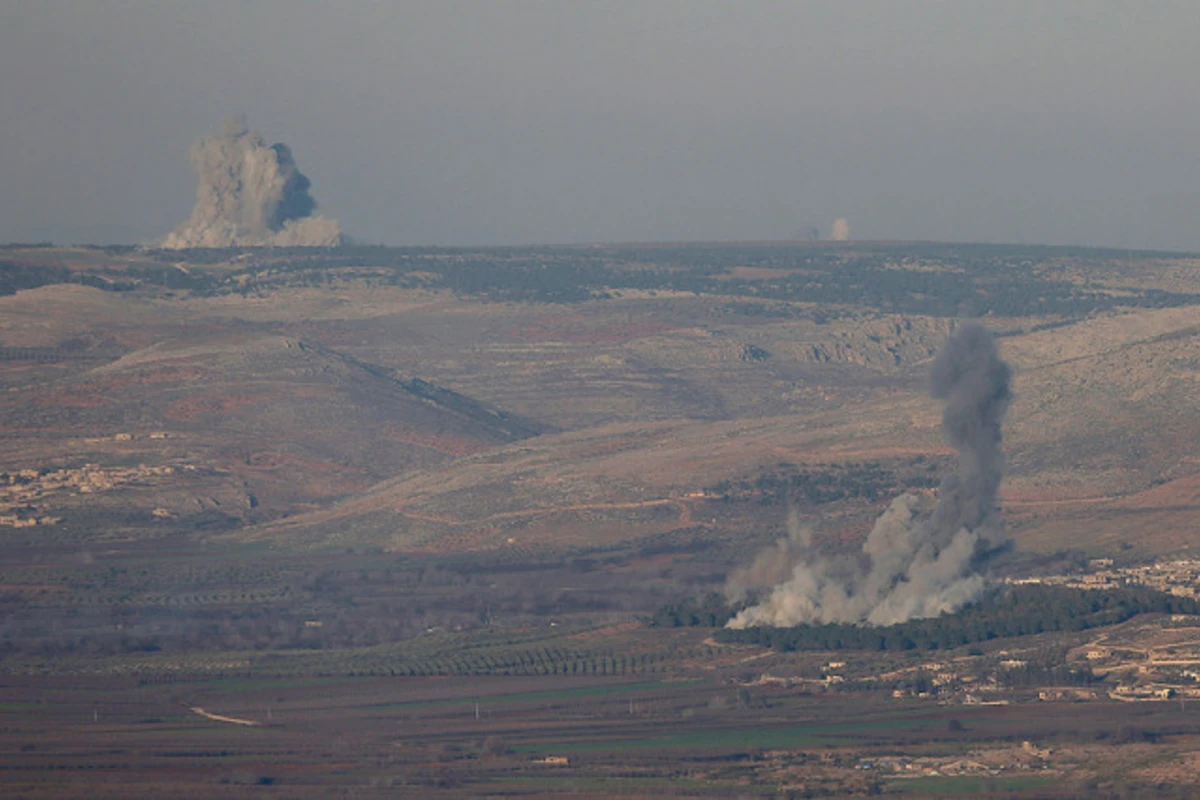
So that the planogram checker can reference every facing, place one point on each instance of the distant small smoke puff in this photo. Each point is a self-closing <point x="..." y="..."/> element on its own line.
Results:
<point x="915" y="563"/>
<point x="841" y="230"/>
<point x="250" y="194"/>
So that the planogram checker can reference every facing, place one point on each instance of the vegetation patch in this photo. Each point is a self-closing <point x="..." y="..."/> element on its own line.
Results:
<point x="970" y="786"/>
<point x="1006" y="612"/>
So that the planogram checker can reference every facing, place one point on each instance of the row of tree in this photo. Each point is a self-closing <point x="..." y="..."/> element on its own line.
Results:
<point x="812" y="486"/>
<point x="1006" y="612"/>
<point x="951" y="281"/>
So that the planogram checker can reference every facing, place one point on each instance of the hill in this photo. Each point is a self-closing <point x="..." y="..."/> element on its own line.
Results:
<point x="243" y="425"/>
<point x="243" y="491"/>
<point x="377" y="396"/>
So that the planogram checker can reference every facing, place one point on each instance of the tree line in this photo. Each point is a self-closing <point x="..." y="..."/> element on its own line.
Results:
<point x="1004" y="613"/>
<point x="950" y="281"/>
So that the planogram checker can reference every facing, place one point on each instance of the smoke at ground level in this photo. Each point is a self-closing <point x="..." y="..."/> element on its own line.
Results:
<point x="918" y="561"/>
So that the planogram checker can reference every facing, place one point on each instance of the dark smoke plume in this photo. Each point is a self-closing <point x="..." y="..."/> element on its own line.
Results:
<point x="916" y="562"/>
<point x="250" y="194"/>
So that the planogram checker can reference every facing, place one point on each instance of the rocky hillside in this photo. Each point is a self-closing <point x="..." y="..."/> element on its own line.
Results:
<point x="459" y="400"/>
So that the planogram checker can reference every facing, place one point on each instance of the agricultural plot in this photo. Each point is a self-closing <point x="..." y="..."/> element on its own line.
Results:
<point x="537" y="736"/>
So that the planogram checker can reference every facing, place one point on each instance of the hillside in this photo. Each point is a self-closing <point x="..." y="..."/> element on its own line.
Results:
<point x="390" y="398"/>
<point x="242" y="425"/>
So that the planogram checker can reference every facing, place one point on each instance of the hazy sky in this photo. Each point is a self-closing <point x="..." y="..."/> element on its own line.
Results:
<point x="512" y="121"/>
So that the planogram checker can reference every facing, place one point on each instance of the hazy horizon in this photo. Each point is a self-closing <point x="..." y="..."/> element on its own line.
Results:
<point x="523" y="122"/>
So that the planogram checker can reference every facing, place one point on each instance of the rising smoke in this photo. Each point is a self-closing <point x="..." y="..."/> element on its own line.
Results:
<point x="841" y="230"/>
<point x="917" y="562"/>
<point x="250" y="193"/>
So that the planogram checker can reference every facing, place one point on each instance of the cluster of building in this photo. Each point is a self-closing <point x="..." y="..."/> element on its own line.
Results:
<point x="1180" y="576"/>
<point x="23" y="493"/>
<point x="984" y="762"/>
<point x="1150" y="691"/>
<point x="18" y="521"/>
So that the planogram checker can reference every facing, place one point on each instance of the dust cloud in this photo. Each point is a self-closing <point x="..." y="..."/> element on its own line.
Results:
<point x="917" y="561"/>
<point x="250" y="193"/>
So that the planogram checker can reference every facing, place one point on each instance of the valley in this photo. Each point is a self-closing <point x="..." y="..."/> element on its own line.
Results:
<point x="367" y="490"/>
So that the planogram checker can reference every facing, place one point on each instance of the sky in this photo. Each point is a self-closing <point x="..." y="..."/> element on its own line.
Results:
<point x="446" y="122"/>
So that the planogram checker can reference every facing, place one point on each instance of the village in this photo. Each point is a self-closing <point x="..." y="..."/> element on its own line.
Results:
<point x="1179" y="576"/>
<point x="25" y="494"/>
<point x="1147" y="659"/>
<point x="991" y="761"/>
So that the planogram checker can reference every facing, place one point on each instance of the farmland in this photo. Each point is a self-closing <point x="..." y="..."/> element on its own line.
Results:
<point x="591" y="736"/>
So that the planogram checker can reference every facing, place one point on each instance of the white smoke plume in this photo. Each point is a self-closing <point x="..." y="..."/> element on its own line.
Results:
<point x="250" y="194"/>
<point x="773" y="565"/>
<point x="841" y="230"/>
<point x="916" y="562"/>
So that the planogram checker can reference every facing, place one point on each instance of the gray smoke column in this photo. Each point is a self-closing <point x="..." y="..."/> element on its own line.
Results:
<point x="250" y="193"/>
<point x="916" y="562"/>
